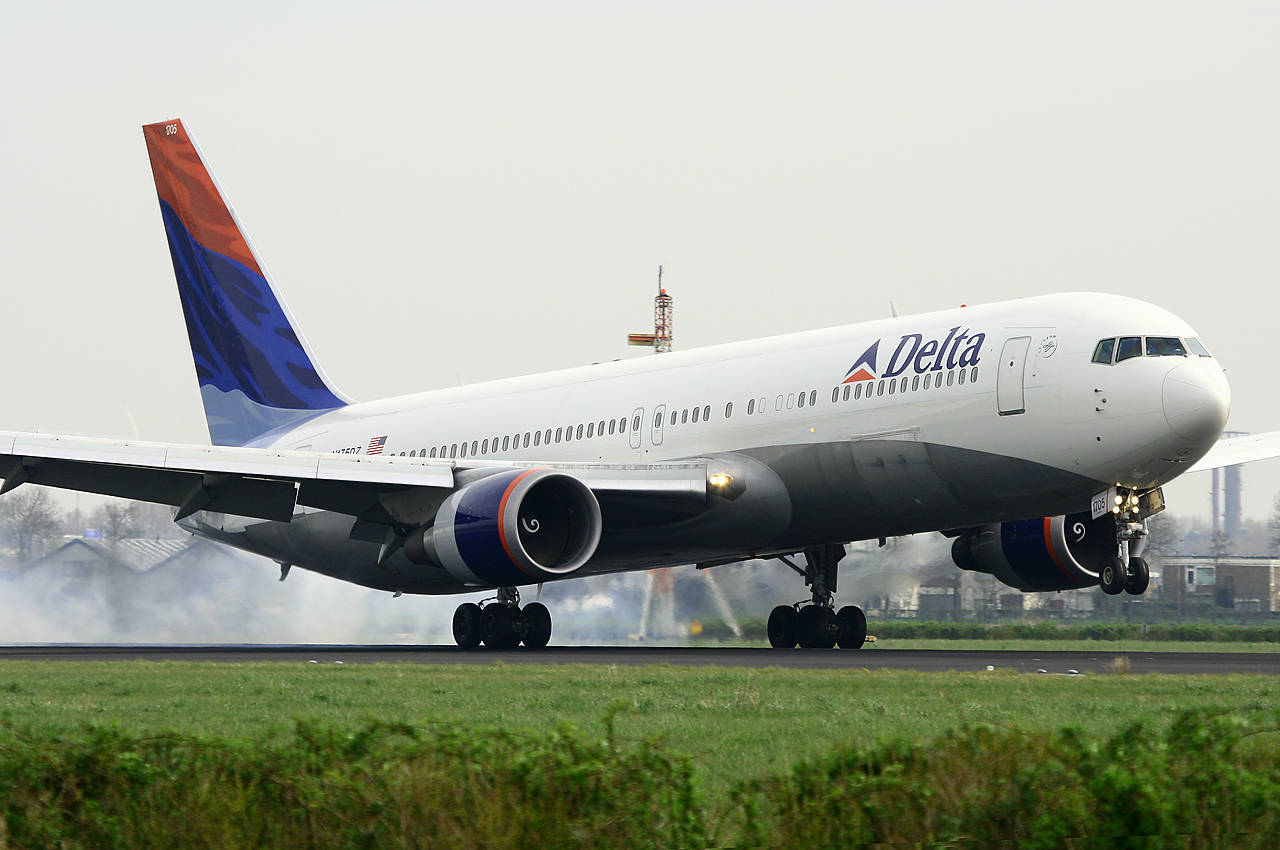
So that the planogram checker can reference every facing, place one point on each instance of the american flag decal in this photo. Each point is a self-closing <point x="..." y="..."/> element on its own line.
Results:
<point x="375" y="445"/>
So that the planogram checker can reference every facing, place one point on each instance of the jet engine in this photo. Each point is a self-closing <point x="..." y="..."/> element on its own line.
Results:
<point x="511" y="528"/>
<point x="1053" y="553"/>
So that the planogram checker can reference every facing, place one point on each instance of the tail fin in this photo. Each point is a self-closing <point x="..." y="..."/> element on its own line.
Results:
<point x="256" y="371"/>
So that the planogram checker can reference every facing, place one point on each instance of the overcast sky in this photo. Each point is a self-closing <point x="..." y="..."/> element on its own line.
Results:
<point x="486" y="189"/>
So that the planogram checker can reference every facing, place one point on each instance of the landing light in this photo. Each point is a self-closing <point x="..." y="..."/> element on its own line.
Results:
<point x="720" y="479"/>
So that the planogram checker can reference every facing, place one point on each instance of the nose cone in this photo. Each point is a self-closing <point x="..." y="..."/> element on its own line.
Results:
<point x="1196" y="401"/>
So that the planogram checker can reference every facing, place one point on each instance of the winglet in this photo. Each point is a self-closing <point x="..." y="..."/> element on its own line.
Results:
<point x="256" y="371"/>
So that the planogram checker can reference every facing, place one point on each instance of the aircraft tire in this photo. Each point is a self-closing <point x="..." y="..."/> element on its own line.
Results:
<point x="466" y="625"/>
<point x="538" y="619"/>
<point x="814" y="627"/>
<point x="1138" y="577"/>
<point x="497" y="626"/>
<point x="851" y="627"/>
<point x="1112" y="575"/>
<point x="782" y="627"/>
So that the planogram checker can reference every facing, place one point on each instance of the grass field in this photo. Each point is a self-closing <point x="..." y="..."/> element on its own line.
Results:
<point x="1099" y="646"/>
<point x="734" y="722"/>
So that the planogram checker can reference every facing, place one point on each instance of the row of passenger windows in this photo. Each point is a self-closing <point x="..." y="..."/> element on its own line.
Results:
<point x="515" y="442"/>
<point x="904" y="384"/>
<point x="1116" y="349"/>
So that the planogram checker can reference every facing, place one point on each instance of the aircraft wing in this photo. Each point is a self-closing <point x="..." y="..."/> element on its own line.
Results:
<point x="1231" y="451"/>
<point x="268" y="484"/>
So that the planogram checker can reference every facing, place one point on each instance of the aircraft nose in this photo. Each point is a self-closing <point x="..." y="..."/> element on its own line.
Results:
<point x="1196" y="401"/>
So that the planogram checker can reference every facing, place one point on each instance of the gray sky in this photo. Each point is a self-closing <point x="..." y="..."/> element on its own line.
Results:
<point x="486" y="189"/>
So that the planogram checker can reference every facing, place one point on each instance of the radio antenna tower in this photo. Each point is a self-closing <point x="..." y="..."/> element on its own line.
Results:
<point x="664" y="315"/>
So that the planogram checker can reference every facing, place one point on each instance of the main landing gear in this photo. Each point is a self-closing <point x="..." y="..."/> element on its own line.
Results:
<point x="818" y="625"/>
<point x="502" y="623"/>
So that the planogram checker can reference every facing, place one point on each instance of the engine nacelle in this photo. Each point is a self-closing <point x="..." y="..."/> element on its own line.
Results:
<point x="1053" y="553"/>
<point x="511" y="528"/>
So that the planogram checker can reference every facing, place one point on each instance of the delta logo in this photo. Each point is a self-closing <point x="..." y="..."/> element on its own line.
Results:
<point x="914" y="352"/>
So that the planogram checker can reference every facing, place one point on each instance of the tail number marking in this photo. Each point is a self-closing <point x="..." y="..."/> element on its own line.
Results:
<point x="171" y="129"/>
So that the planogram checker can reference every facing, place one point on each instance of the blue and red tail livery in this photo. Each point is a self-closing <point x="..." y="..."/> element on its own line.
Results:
<point x="256" y="372"/>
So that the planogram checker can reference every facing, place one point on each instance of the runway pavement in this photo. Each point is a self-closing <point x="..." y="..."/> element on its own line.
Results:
<point x="1059" y="663"/>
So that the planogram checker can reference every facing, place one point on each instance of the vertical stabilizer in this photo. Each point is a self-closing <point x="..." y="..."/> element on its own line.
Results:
<point x="256" y="371"/>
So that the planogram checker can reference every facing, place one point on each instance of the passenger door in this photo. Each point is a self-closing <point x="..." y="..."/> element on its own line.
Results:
<point x="1013" y="365"/>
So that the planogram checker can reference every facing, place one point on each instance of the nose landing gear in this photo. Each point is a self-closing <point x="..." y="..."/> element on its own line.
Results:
<point x="1126" y="572"/>
<point x="502" y="623"/>
<point x="818" y="625"/>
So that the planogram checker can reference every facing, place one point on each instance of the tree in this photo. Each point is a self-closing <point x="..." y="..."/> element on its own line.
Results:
<point x="27" y="518"/>
<point x="1164" y="537"/>
<point x="1273" y="528"/>
<point x="118" y="520"/>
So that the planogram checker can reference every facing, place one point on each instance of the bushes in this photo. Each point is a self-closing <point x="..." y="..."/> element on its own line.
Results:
<point x="387" y="786"/>
<point x="913" y="629"/>
<point x="983" y="784"/>
<point x="1213" y="776"/>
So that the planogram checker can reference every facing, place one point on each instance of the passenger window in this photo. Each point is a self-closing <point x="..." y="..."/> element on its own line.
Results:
<point x="559" y="431"/>
<point x="1130" y="346"/>
<point x="453" y="450"/>
<point x="484" y="447"/>
<point x="591" y="430"/>
<point x="728" y="410"/>
<point x="902" y="387"/>
<point x="928" y="380"/>
<point x="846" y="392"/>
<point x="761" y="407"/>
<point x="706" y="413"/>
<point x="635" y="425"/>
<point x="880" y="389"/>
<point x="751" y="406"/>
<point x="973" y="375"/>
<point x="800" y="401"/>
<point x="857" y="391"/>
<point x="473" y="448"/>
<point x="433" y="451"/>
<point x="684" y="416"/>
<point x="777" y="403"/>
<point x="696" y="411"/>
<point x="1197" y="347"/>
<point x="506" y="442"/>
<point x="963" y="373"/>
<point x="791" y="400"/>
<point x="813" y="397"/>
<point x="1104" y="350"/>
<point x="1165" y="346"/>
<point x="611" y="427"/>
<point x="835" y="395"/>
<point x="463" y="453"/>
<point x="657" y="420"/>
<point x="526" y="440"/>
<point x="893" y="385"/>
<point x="675" y="414"/>
<point x="915" y="383"/>
<point x="951" y="378"/>
<point x="413" y="453"/>
<point x="537" y="438"/>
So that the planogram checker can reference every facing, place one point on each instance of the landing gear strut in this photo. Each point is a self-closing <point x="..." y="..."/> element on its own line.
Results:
<point x="1126" y="572"/>
<point x="501" y="623"/>
<point x="818" y="625"/>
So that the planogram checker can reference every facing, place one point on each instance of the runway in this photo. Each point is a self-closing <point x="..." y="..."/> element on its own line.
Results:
<point x="925" y="660"/>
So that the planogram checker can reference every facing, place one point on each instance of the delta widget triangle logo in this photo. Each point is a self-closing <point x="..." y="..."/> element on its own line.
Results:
<point x="868" y="359"/>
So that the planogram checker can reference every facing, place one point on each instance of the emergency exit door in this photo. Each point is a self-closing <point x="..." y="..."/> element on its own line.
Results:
<point x="1013" y="365"/>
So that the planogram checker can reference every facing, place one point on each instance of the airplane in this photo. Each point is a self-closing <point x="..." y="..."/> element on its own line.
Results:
<point x="1036" y="433"/>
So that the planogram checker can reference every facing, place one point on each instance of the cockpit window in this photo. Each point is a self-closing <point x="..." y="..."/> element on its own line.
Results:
<point x="1102" y="354"/>
<point x="1130" y="346"/>
<point x="1165" y="346"/>
<point x="1197" y="347"/>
